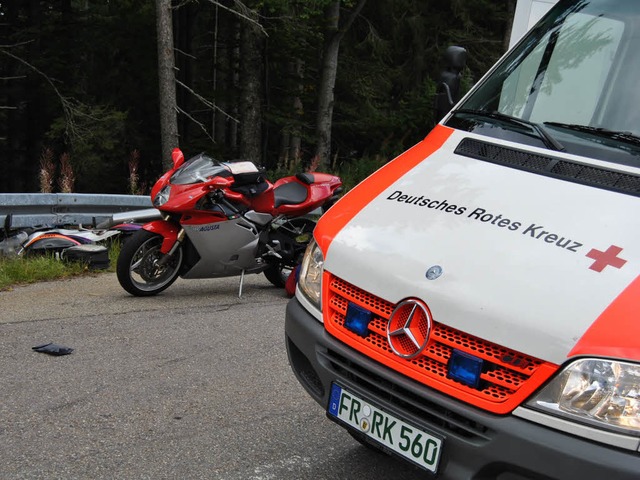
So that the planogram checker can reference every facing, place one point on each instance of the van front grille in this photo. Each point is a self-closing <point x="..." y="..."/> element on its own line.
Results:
<point x="508" y="377"/>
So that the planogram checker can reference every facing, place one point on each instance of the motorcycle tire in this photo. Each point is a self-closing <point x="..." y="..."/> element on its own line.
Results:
<point x="278" y="274"/>
<point x="137" y="266"/>
<point x="301" y="229"/>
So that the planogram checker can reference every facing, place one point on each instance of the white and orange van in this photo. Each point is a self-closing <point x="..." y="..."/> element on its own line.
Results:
<point x="474" y="306"/>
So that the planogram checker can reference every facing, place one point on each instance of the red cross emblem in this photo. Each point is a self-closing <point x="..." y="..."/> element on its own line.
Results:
<point x="607" y="258"/>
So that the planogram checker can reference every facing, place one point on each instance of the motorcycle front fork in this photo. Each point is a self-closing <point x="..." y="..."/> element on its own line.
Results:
<point x="174" y="248"/>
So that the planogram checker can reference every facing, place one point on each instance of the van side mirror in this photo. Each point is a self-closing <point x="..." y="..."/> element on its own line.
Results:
<point x="448" y="89"/>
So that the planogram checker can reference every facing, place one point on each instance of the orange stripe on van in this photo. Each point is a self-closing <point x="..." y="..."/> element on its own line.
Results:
<point x="357" y="198"/>
<point x="616" y="332"/>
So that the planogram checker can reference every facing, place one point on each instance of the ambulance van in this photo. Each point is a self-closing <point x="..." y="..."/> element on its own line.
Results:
<point x="473" y="307"/>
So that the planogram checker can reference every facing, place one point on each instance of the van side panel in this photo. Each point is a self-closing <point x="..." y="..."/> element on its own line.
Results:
<point x="615" y="333"/>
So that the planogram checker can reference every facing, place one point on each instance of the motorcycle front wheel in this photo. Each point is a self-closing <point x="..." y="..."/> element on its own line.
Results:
<point x="138" y="268"/>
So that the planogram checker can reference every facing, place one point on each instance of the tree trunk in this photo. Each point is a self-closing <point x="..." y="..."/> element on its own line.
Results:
<point x="222" y="78"/>
<point x="13" y="117"/>
<point x="234" y="72"/>
<point x="328" y="73"/>
<point x="290" y="141"/>
<point x="166" y="81"/>
<point x="25" y="120"/>
<point x="511" y="12"/>
<point x="182" y="28"/>
<point x="250" y="95"/>
<point x="215" y="27"/>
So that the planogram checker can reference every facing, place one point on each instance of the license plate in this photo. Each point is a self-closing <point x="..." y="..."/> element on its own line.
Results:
<point x="410" y="442"/>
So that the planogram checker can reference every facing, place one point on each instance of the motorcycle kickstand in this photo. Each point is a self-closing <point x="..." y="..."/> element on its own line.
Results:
<point x="241" y="283"/>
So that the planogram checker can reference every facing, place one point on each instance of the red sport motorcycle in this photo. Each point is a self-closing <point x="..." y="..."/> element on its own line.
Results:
<point x="221" y="219"/>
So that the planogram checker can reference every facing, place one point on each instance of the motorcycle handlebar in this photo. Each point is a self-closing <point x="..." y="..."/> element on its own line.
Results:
<point x="219" y="197"/>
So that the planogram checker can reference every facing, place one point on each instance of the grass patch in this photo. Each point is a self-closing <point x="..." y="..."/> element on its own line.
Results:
<point x="37" y="268"/>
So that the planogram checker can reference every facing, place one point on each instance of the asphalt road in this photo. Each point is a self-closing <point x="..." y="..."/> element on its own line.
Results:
<point x="192" y="384"/>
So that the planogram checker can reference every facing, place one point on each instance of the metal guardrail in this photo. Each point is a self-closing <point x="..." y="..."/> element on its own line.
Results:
<point x="29" y="210"/>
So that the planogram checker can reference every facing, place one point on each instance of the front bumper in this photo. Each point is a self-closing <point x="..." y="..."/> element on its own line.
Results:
<point x="477" y="445"/>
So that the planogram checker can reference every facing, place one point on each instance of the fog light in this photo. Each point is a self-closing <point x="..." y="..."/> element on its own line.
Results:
<point x="465" y="368"/>
<point x="358" y="319"/>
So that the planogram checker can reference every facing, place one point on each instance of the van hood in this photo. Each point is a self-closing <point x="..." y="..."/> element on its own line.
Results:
<point x="517" y="258"/>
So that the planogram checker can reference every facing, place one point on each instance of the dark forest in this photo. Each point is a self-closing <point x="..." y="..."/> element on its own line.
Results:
<point x="80" y="90"/>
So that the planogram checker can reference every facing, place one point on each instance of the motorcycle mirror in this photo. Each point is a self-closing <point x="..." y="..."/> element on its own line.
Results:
<point x="177" y="157"/>
<point x="221" y="182"/>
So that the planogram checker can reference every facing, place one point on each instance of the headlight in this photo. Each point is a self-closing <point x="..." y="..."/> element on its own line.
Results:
<point x="162" y="197"/>
<point x="599" y="392"/>
<point x="310" y="281"/>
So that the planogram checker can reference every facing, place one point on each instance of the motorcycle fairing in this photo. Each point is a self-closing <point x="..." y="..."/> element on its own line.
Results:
<point x="50" y="242"/>
<point x="167" y="230"/>
<point x="226" y="248"/>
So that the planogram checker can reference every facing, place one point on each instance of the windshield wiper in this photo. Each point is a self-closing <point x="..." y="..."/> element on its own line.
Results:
<point x="542" y="133"/>
<point x="598" y="131"/>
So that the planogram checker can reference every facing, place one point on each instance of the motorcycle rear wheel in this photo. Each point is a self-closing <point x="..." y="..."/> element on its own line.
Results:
<point x="300" y="230"/>
<point x="137" y="267"/>
<point x="278" y="274"/>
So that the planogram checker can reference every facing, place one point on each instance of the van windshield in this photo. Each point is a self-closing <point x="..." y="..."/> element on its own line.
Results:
<point x="571" y="84"/>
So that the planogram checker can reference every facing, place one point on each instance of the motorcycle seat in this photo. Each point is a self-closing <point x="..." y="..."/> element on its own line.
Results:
<point x="291" y="193"/>
<point x="307" y="178"/>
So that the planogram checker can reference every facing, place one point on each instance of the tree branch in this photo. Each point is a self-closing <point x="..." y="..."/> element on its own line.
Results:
<point x="244" y="16"/>
<point x="200" y="124"/>
<point x="17" y="44"/>
<point x="185" y="53"/>
<point x="72" y="109"/>
<point x="208" y="103"/>
<point x="351" y="18"/>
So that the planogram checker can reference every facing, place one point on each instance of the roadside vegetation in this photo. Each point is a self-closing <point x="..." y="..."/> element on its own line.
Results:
<point x="15" y="271"/>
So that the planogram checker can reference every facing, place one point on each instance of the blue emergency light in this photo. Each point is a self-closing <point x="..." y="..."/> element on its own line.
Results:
<point x="357" y="319"/>
<point x="465" y="368"/>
